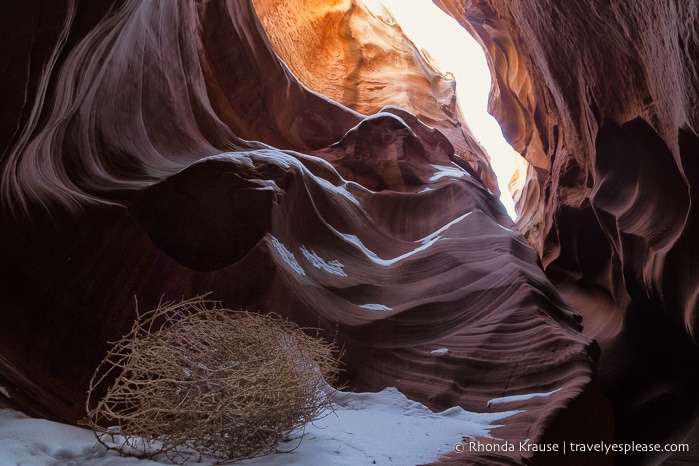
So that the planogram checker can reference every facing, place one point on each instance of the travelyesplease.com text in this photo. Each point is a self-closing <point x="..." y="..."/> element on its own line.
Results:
<point x="567" y="447"/>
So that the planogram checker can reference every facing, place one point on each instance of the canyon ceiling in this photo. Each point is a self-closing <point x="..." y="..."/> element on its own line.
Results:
<point x="303" y="157"/>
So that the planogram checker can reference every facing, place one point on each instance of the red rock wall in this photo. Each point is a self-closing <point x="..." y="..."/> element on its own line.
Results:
<point x="603" y="98"/>
<point x="345" y="52"/>
<point x="158" y="149"/>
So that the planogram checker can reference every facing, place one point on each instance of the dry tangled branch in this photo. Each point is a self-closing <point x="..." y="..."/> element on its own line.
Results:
<point x="193" y="380"/>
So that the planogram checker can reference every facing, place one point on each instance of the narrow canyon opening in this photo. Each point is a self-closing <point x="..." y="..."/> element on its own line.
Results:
<point x="364" y="62"/>
<point x="456" y="53"/>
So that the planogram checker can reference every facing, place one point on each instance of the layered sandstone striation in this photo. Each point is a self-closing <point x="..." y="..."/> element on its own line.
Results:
<point x="342" y="50"/>
<point x="603" y="99"/>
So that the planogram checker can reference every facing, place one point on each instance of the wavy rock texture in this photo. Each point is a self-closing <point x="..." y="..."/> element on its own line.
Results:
<point x="342" y="50"/>
<point x="161" y="149"/>
<point x="604" y="98"/>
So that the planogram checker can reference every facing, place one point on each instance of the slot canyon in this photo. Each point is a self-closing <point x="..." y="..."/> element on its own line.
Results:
<point x="303" y="157"/>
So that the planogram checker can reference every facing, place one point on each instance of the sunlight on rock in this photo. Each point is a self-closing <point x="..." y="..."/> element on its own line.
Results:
<point x="453" y="50"/>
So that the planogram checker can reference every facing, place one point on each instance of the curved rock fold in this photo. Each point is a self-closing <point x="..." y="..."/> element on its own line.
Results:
<point x="167" y="149"/>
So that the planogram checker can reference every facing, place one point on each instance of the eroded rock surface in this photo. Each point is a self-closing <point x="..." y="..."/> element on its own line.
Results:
<point x="342" y="50"/>
<point x="603" y="99"/>
<point x="161" y="149"/>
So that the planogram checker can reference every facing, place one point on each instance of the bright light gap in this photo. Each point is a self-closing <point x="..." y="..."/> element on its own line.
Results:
<point x="458" y="53"/>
